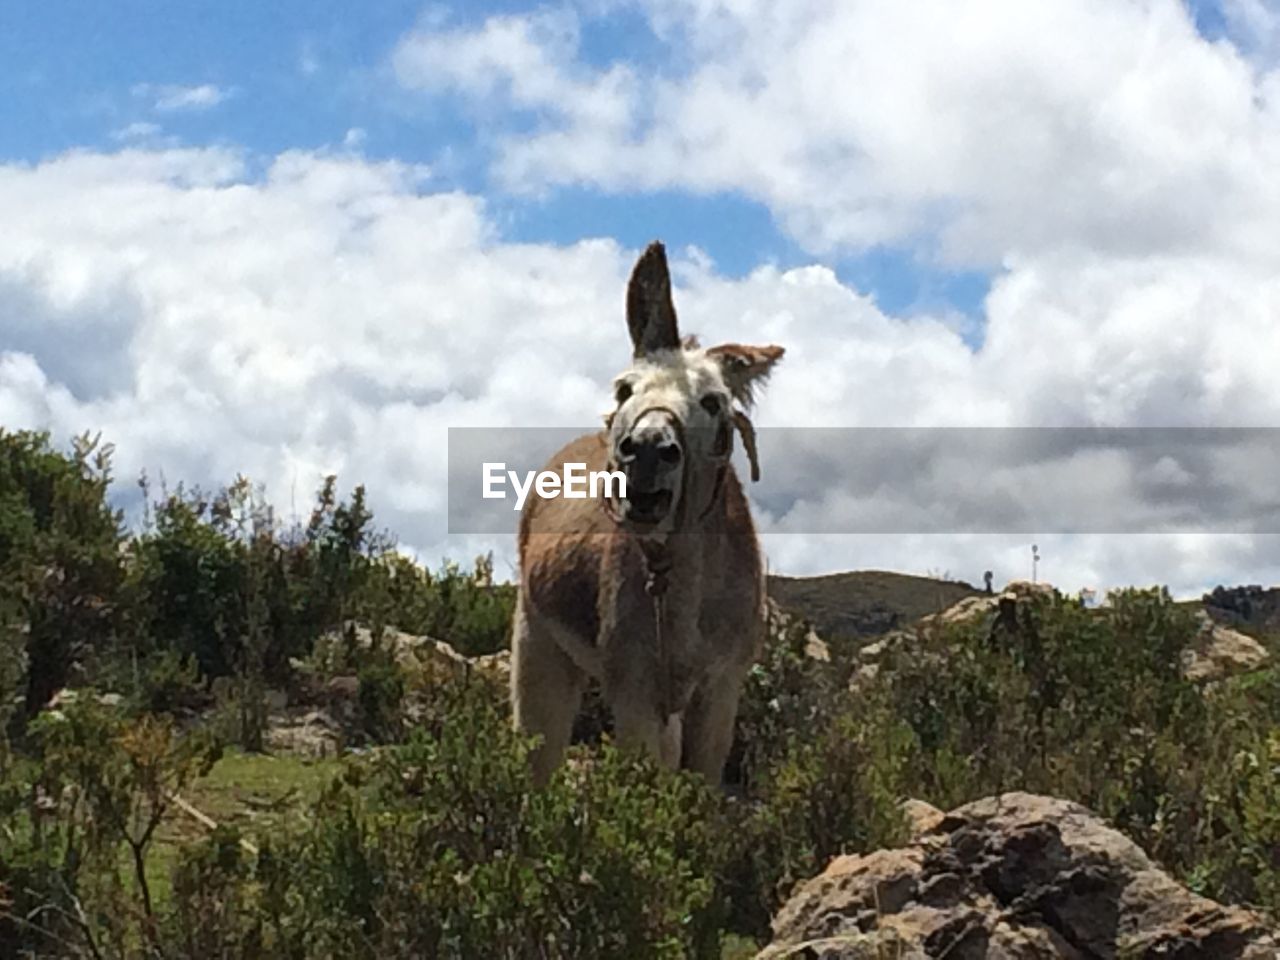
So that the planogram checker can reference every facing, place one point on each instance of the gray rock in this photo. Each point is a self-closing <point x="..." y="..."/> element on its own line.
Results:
<point x="1014" y="877"/>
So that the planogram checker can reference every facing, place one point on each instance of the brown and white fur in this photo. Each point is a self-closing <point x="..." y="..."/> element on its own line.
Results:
<point x="588" y="567"/>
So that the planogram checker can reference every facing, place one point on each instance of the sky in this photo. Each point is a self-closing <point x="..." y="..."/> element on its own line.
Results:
<point x="288" y="239"/>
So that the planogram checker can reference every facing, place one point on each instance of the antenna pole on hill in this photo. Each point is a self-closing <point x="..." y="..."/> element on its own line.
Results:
<point x="1035" y="562"/>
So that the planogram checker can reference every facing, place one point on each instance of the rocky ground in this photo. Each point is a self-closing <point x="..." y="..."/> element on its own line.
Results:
<point x="317" y="721"/>
<point x="1014" y="877"/>
<point x="1017" y="877"/>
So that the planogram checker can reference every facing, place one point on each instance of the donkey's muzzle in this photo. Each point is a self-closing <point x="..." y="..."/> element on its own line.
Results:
<point x="651" y="456"/>
<point x="649" y="453"/>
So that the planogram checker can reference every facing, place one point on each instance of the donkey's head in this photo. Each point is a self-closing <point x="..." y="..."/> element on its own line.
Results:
<point x="677" y="408"/>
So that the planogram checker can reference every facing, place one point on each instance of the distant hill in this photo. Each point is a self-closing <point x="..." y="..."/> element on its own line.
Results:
<point x="1253" y="608"/>
<point x="865" y="602"/>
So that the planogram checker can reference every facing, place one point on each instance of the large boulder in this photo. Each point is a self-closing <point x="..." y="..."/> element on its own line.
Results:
<point x="435" y="658"/>
<point x="1219" y="652"/>
<point x="1014" y="877"/>
<point x="987" y="605"/>
<point x="308" y="733"/>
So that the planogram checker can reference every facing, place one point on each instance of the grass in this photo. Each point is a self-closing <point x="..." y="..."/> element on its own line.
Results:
<point x="254" y="792"/>
<point x="738" y="948"/>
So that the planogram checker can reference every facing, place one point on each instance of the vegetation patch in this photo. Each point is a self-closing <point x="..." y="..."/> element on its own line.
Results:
<point x="140" y="815"/>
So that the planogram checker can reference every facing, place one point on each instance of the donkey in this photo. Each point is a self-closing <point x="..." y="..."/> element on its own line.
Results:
<point x="658" y="595"/>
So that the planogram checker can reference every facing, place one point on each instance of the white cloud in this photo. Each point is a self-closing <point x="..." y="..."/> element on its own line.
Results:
<point x="139" y="130"/>
<point x="324" y="317"/>
<point x="973" y="132"/>
<point x="528" y="62"/>
<point x="1112" y="165"/>
<point x="173" y="98"/>
<point x="333" y="313"/>
<point x="330" y="315"/>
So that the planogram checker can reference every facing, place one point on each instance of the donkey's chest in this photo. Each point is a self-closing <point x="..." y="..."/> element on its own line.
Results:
<point x="693" y="635"/>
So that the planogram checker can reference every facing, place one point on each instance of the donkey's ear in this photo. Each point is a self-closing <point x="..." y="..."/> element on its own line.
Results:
<point x="745" y="367"/>
<point x="651" y="316"/>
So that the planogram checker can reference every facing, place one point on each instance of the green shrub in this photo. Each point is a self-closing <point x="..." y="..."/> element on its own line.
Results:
<point x="464" y="607"/>
<point x="217" y="910"/>
<point x="80" y="815"/>
<point x="1092" y="706"/>
<point x="1087" y="705"/>
<point x="380" y="700"/>
<point x="439" y="847"/>
<point x="788" y="694"/>
<point x="835" y="791"/>
<point x="192" y="577"/>
<point x="239" y="715"/>
<point x="474" y="613"/>
<point x="60" y="572"/>
<point x="169" y="683"/>
<point x="817" y="775"/>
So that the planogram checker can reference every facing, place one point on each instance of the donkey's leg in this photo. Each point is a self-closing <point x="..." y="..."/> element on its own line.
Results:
<point x="636" y="724"/>
<point x="638" y="685"/>
<point x="546" y="692"/>
<point x="672" y="743"/>
<point x="632" y="692"/>
<point x="708" y="724"/>
<point x="633" y="689"/>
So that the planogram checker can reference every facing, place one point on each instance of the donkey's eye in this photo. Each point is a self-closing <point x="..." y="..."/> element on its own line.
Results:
<point x="622" y="393"/>
<point x="711" y="404"/>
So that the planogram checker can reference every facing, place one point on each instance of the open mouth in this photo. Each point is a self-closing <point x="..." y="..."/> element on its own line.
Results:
<point x="647" y="506"/>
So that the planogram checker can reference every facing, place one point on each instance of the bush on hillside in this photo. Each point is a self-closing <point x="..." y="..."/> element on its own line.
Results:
<point x="444" y="850"/>
<point x="434" y="843"/>
<point x="81" y="810"/>
<point x="212" y="580"/>
<point x="62" y="596"/>
<point x="1088" y="705"/>
<point x="834" y="791"/>
<point x="380" y="700"/>
<point x="438" y="847"/>
<point x="1092" y="706"/>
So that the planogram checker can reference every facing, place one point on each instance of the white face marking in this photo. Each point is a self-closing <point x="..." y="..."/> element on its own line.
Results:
<point x="688" y="383"/>
<point x="680" y="397"/>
